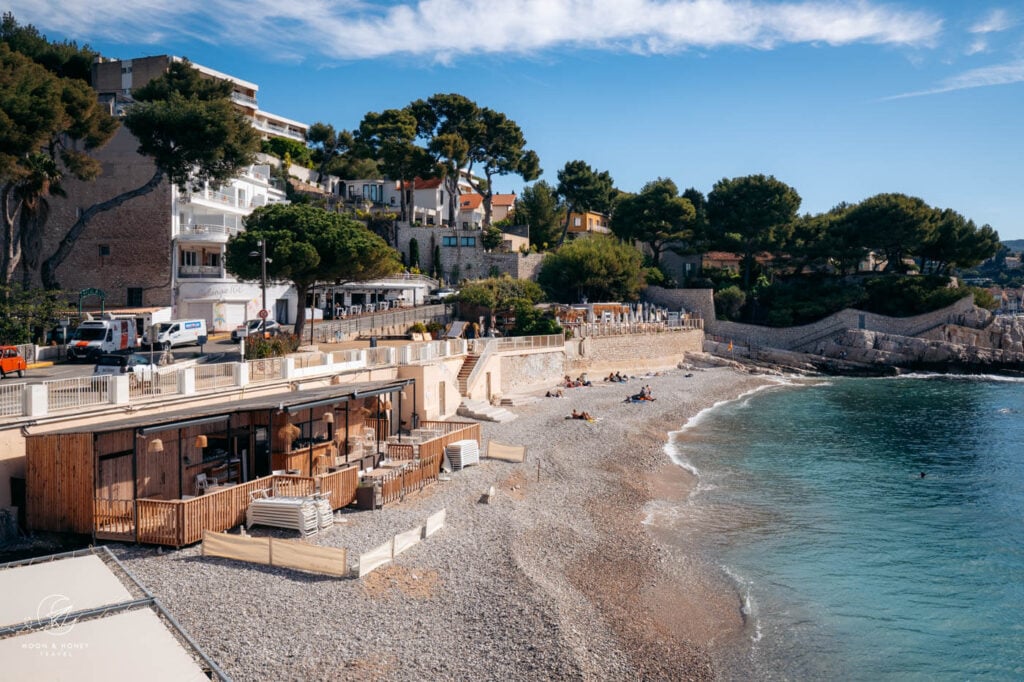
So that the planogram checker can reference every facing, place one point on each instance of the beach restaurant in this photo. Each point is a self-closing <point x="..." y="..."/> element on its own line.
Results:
<point x="164" y="478"/>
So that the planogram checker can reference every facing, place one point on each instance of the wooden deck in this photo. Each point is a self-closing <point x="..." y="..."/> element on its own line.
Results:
<point x="178" y="523"/>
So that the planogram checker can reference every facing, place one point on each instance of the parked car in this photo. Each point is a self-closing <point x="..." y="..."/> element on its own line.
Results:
<point x="438" y="295"/>
<point x="11" y="361"/>
<point x="136" y="365"/>
<point x="253" y="327"/>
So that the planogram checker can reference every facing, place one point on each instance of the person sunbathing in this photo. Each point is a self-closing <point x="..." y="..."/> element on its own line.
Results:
<point x="581" y="415"/>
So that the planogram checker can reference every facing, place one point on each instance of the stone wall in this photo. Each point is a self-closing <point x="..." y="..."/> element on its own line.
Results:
<point x="531" y="371"/>
<point x="810" y="337"/>
<point x="698" y="302"/>
<point x="631" y="353"/>
<point x="473" y="261"/>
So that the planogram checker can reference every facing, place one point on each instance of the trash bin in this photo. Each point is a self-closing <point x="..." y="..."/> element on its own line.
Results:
<point x="373" y="342"/>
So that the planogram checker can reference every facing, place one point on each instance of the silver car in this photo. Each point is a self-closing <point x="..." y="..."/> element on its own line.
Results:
<point x="253" y="327"/>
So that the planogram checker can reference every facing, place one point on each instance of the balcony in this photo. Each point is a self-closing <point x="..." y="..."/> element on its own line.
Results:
<point x="244" y="100"/>
<point x="208" y="234"/>
<point x="278" y="130"/>
<point x="200" y="272"/>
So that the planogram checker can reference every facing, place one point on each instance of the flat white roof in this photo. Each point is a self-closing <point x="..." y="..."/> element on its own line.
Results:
<point x="129" y="641"/>
<point x="40" y="590"/>
<point x="131" y="645"/>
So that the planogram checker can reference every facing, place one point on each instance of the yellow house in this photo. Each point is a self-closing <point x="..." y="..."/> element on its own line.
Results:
<point x="588" y="222"/>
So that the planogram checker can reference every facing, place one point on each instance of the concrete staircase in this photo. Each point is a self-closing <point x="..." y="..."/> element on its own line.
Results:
<point x="465" y="371"/>
<point x="484" y="411"/>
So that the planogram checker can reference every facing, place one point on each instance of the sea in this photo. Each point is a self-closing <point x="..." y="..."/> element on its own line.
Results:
<point x="873" y="529"/>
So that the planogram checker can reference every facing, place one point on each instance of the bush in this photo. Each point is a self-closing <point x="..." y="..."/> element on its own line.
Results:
<point x="257" y="348"/>
<point x="417" y="328"/>
<point x="729" y="302"/>
<point x="435" y="328"/>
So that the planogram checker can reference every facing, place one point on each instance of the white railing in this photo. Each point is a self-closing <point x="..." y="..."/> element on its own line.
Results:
<point x="12" y="403"/>
<point x="64" y="394"/>
<point x="267" y="369"/>
<point x="379" y="357"/>
<point x="623" y="328"/>
<point x="306" y="360"/>
<point x="211" y="230"/>
<point x="529" y="342"/>
<point x="209" y="377"/>
<point x="242" y="98"/>
<point x="199" y="271"/>
<point x="343" y="356"/>
<point x="164" y="383"/>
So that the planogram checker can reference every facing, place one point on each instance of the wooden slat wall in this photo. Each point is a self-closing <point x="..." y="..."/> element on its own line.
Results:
<point x="158" y="471"/>
<point x="114" y="478"/>
<point x="341" y="486"/>
<point x="59" y="482"/>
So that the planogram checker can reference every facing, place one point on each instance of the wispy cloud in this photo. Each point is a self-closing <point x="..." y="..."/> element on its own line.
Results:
<point x="996" y="20"/>
<point x="444" y="30"/>
<point x="999" y="74"/>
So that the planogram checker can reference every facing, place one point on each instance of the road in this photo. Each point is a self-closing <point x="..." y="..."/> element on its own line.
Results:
<point x="215" y="351"/>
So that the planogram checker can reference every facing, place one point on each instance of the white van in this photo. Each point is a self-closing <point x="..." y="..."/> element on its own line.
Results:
<point x="178" y="333"/>
<point x="93" y="338"/>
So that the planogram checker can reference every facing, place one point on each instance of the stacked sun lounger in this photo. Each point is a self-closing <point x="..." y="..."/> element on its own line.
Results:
<point x="299" y="513"/>
<point x="462" y="453"/>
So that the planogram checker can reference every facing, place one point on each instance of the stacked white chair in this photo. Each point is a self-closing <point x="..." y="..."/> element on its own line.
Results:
<point x="463" y="453"/>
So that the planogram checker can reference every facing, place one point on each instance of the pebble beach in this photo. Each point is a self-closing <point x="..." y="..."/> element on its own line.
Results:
<point x="557" y="577"/>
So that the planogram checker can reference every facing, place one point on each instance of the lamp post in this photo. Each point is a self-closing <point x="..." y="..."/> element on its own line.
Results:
<point x="262" y="255"/>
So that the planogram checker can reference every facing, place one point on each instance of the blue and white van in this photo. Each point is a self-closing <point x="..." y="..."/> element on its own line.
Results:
<point x="178" y="333"/>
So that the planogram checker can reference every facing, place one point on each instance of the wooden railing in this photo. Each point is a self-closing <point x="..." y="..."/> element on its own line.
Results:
<point x="437" y="445"/>
<point x="182" y="522"/>
<point x="340" y="486"/>
<point x="114" y="519"/>
<point x="401" y="451"/>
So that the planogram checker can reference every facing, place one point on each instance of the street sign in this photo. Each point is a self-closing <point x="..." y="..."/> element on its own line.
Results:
<point x="264" y="314"/>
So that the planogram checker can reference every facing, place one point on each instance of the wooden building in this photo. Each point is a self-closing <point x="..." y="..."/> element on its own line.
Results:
<point x="164" y="478"/>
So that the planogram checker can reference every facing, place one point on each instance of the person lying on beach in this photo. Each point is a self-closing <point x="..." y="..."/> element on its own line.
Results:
<point x="581" y="415"/>
<point x="582" y="380"/>
<point x="557" y="393"/>
<point x="644" y="394"/>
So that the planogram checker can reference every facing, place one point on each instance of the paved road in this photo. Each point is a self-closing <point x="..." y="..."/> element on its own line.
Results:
<point x="216" y="351"/>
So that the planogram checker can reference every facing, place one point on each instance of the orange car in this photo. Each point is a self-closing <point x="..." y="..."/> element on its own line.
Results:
<point x="11" y="361"/>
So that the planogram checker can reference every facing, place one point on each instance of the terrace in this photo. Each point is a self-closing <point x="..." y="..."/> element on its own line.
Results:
<point x="166" y="478"/>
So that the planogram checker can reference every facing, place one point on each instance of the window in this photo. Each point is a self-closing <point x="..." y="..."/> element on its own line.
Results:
<point x="188" y="258"/>
<point x="214" y="259"/>
<point x="134" y="297"/>
<point x="104" y="250"/>
<point x="577" y="221"/>
<point x="449" y="241"/>
<point x="465" y="225"/>
<point x="469" y="241"/>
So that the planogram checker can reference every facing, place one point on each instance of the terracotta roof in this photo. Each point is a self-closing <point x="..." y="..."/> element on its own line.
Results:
<point x="470" y="202"/>
<point x="503" y="199"/>
<point x="430" y="183"/>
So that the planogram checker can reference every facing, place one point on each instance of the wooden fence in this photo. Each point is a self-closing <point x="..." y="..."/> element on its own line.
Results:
<point x="182" y="522"/>
<point x="463" y="430"/>
<point x="274" y="552"/>
<point x="340" y="486"/>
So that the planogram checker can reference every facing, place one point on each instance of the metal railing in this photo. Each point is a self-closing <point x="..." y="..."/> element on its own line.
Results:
<point x="209" y="377"/>
<point x="267" y="369"/>
<point x="12" y="403"/>
<point x="65" y="394"/>
<point x="162" y="384"/>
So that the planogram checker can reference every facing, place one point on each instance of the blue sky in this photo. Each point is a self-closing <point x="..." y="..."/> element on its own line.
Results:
<point x="840" y="99"/>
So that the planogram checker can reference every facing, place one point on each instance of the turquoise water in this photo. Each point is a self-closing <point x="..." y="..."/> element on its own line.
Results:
<point x="849" y="564"/>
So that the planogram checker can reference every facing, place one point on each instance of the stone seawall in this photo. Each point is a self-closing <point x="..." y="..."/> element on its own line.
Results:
<point x="631" y="353"/>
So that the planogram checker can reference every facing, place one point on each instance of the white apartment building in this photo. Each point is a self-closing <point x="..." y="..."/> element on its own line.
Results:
<point x="200" y="222"/>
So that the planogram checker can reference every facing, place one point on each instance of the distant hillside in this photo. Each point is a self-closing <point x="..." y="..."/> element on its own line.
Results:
<point x="1015" y="245"/>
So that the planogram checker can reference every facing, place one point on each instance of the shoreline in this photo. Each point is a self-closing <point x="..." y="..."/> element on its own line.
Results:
<point x="558" y="577"/>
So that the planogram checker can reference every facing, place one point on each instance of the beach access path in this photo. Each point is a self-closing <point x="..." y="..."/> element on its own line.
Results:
<point x="556" y="578"/>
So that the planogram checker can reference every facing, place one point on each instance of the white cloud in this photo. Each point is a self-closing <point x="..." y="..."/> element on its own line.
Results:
<point x="999" y="74"/>
<point x="443" y="30"/>
<point x="996" y="20"/>
<point x="979" y="45"/>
